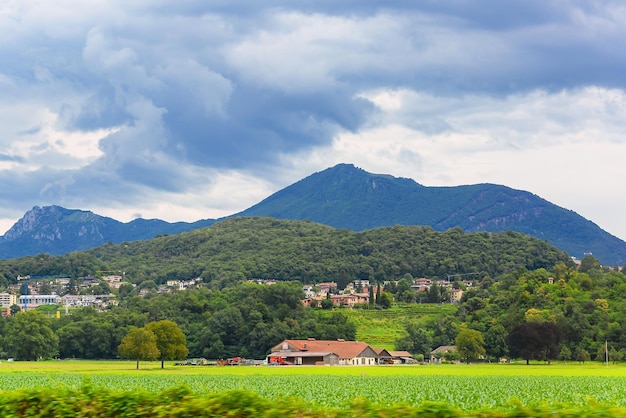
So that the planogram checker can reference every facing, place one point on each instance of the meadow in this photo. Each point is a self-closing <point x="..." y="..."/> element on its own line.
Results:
<point x="464" y="387"/>
<point x="382" y="327"/>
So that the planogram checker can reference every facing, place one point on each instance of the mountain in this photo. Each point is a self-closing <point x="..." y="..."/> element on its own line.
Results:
<point x="56" y="230"/>
<point x="348" y="197"/>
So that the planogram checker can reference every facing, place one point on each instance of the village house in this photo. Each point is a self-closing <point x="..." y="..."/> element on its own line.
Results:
<point x="348" y="300"/>
<point x="114" y="282"/>
<point x="326" y="287"/>
<point x="455" y="295"/>
<point x="32" y="301"/>
<point x="421" y="284"/>
<point x="325" y="352"/>
<point x="8" y="299"/>
<point x="309" y="291"/>
<point x="183" y="284"/>
<point x="358" y="286"/>
<point x="439" y="353"/>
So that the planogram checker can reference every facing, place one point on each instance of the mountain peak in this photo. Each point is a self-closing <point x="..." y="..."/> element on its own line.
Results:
<point x="49" y="223"/>
<point x="347" y="197"/>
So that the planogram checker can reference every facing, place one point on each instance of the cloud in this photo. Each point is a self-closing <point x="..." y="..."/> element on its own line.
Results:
<point x="124" y="105"/>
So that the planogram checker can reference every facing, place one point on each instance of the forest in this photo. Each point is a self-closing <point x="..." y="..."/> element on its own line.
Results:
<point x="564" y="313"/>
<point x="244" y="320"/>
<point x="523" y="290"/>
<point x="242" y="248"/>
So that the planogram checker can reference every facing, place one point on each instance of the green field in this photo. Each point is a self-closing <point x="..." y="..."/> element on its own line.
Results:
<point x="382" y="327"/>
<point x="466" y="387"/>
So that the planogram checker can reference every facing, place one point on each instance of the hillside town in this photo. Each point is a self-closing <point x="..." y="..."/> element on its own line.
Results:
<point x="101" y="293"/>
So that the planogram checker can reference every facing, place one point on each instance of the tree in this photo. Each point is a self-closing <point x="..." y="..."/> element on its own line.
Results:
<point x="565" y="354"/>
<point x="170" y="340"/>
<point x="384" y="301"/>
<point x="582" y="355"/>
<point x="139" y="344"/>
<point x="588" y="263"/>
<point x="327" y="302"/>
<point x="417" y="340"/>
<point x="470" y="344"/>
<point x="30" y="337"/>
<point x="535" y="340"/>
<point x="434" y="295"/>
<point x="495" y="341"/>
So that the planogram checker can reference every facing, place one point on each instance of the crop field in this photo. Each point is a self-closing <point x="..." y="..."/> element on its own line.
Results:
<point x="466" y="387"/>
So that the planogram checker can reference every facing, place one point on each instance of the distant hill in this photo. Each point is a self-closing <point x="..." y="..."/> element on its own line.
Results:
<point x="342" y="197"/>
<point x="56" y="230"/>
<point x="240" y="248"/>
<point x="348" y="197"/>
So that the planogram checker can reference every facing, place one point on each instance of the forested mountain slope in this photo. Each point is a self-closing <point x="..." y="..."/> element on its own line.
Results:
<point x="267" y="248"/>
<point x="347" y="197"/>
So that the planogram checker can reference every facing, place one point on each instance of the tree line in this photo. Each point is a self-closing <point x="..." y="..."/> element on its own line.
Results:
<point x="243" y="320"/>
<point x="566" y="313"/>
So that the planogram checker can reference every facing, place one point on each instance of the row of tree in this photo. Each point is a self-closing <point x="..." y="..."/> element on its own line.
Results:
<point x="243" y="320"/>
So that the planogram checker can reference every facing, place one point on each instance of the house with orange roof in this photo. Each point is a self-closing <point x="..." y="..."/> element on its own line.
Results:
<point x="325" y="352"/>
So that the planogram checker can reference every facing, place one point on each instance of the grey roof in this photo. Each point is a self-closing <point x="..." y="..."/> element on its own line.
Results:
<point x="444" y="348"/>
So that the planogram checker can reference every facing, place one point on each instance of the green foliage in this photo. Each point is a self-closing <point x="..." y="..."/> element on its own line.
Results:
<point x="139" y="344"/>
<point x="170" y="340"/>
<point x="265" y="248"/>
<point x="181" y="401"/>
<point x="382" y="328"/>
<point x="417" y="340"/>
<point x="470" y="344"/>
<point x="29" y="336"/>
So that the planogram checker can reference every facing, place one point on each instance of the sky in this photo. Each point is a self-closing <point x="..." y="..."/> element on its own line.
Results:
<point x="192" y="109"/>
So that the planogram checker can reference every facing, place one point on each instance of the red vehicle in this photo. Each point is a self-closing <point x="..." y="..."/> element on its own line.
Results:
<point x="278" y="361"/>
<point x="233" y="361"/>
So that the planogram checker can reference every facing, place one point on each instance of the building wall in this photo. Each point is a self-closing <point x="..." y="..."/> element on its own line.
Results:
<point x="8" y="299"/>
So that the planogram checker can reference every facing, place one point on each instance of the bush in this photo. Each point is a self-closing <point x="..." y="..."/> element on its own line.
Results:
<point x="182" y="402"/>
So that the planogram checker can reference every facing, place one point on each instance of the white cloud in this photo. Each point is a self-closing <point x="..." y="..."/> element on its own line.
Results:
<point x="120" y="106"/>
<point x="566" y="147"/>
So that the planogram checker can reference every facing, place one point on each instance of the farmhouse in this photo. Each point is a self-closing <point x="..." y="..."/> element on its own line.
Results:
<point x="402" y="357"/>
<point x="325" y="352"/>
<point x="440" y="353"/>
<point x="384" y="357"/>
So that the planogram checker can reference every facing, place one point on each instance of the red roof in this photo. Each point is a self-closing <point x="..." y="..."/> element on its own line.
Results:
<point x="344" y="349"/>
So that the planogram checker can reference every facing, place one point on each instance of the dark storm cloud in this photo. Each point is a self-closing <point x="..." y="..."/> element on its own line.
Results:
<point x="182" y="87"/>
<point x="260" y="124"/>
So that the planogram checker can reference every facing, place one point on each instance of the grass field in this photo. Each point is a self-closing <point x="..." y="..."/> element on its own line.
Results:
<point x="467" y="387"/>
<point x="382" y="327"/>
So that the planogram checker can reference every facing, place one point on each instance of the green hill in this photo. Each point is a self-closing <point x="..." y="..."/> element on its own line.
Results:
<point x="381" y="328"/>
<point x="242" y="248"/>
